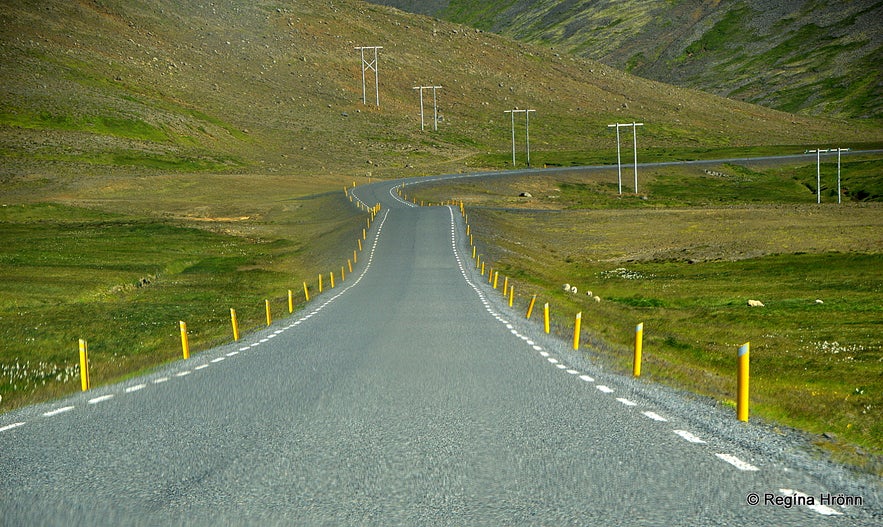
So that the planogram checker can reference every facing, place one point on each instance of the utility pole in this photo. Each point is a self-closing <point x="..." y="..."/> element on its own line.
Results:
<point x="635" y="143"/>
<point x="818" y="152"/>
<point x="434" y="106"/>
<point x="618" y="158"/>
<point x="527" y="132"/>
<point x="370" y="65"/>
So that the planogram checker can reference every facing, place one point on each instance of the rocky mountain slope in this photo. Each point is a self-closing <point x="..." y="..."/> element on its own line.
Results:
<point x="818" y="57"/>
<point x="164" y="86"/>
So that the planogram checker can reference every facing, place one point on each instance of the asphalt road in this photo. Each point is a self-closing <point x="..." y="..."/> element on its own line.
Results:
<point x="408" y="395"/>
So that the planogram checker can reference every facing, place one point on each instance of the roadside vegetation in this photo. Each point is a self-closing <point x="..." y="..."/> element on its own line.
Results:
<point x="685" y="256"/>
<point x="123" y="281"/>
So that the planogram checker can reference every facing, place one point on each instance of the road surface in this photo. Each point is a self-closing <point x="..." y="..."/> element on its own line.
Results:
<point x="408" y="395"/>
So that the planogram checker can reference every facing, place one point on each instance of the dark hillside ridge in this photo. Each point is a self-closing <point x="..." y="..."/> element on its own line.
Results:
<point x="819" y="57"/>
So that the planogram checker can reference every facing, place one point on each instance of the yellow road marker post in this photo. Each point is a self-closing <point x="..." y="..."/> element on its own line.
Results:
<point x="185" y="341"/>
<point x="546" y="318"/>
<point x="742" y="378"/>
<point x="530" y="307"/>
<point x="639" y="344"/>
<point x="235" y="323"/>
<point x="306" y="292"/>
<point x="85" y="380"/>
<point x="576" y="330"/>
<point x="267" y="306"/>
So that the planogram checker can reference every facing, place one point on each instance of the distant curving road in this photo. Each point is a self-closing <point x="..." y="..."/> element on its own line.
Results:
<point x="408" y="395"/>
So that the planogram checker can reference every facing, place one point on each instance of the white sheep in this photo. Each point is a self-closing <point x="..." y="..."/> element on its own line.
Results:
<point x="755" y="303"/>
<point x="597" y="299"/>
<point x="567" y="287"/>
<point x="589" y="294"/>
<point x="573" y="289"/>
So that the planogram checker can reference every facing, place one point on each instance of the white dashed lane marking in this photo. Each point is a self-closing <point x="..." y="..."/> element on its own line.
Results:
<point x="626" y="402"/>
<point x="817" y="507"/>
<point x="135" y="388"/>
<point x="655" y="416"/>
<point x="10" y="427"/>
<point x="738" y="463"/>
<point x="57" y="411"/>
<point x="100" y="399"/>
<point x="689" y="437"/>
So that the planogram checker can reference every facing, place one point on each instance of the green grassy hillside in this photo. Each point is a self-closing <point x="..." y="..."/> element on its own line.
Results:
<point x="275" y="87"/>
<point x="813" y="57"/>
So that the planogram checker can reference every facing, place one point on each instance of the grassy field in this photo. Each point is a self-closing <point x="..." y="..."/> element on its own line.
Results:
<point x="685" y="256"/>
<point x="122" y="281"/>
